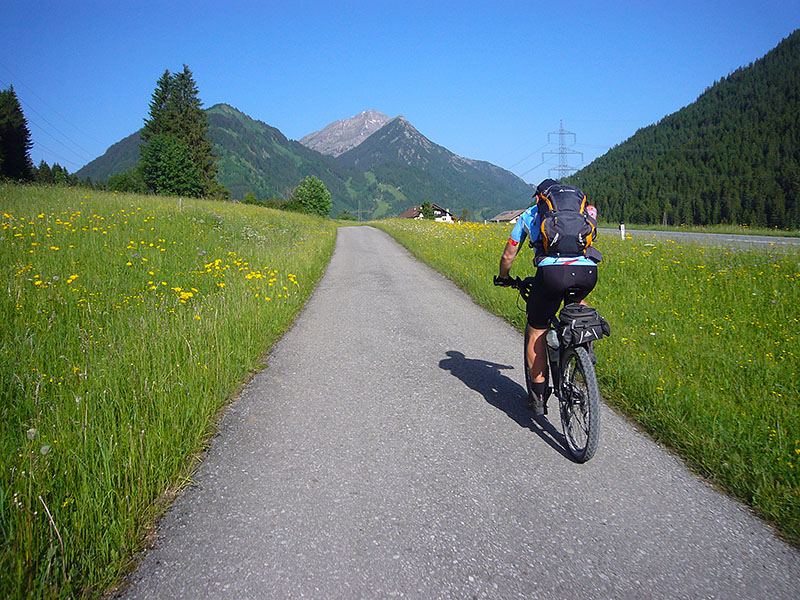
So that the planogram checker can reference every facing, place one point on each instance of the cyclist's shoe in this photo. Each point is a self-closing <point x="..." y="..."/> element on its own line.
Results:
<point x="537" y="405"/>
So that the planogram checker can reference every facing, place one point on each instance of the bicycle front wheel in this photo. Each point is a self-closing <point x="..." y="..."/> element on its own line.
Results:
<point x="580" y="404"/>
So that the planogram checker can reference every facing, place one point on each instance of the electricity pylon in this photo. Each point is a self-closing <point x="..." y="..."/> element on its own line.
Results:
<point x="563" y="169"/>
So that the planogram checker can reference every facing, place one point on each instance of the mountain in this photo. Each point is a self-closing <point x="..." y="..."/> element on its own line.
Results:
<point x="119" y="157"/>
<point x="383" y="176"/>
<point x="255" y="157"/>
<point x="732" y="156"/>
<point x="252" y="157"/>
<point x="341" y="136"/>
<point x="399" y="155"/>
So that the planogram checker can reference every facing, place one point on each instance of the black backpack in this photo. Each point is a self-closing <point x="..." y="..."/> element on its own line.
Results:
<point x="566" y="227"/>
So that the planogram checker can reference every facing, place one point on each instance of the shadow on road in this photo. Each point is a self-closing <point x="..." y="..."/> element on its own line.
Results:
<point x="505" y="394"/>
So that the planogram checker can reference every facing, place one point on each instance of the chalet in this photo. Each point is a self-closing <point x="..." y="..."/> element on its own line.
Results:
<point x="508" y="216"/>
<point x="439" y="214"/>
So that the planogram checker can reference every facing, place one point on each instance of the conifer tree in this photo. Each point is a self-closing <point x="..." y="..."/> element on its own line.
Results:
<point x="15" y="138"/>
<point x="177" y="156"/>
<point x="44" y="175"/>
<point x="158" y="107"/>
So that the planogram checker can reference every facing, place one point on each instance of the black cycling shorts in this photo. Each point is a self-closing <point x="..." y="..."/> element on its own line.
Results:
<point x="550" y="285"/>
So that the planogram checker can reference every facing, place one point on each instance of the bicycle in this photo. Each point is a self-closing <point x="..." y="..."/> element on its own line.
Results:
<point x="570" y="369"/>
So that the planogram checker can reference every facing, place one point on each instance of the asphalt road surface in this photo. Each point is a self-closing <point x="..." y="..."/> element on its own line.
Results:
<point x="385" y="452"/>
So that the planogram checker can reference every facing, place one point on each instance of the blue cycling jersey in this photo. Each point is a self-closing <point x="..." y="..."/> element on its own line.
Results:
<point x="529" y="225"/>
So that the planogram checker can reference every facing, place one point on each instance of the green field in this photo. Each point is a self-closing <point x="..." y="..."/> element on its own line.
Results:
<point x="703" y="353"/>
<point x="126" y="323"/>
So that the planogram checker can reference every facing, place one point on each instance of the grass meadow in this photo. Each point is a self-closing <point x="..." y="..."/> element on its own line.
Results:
<point x="126" y="323"/>
<point x="703" y="352"/>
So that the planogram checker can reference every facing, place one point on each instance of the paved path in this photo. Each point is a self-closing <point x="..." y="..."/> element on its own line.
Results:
<point x="385" y="453"/>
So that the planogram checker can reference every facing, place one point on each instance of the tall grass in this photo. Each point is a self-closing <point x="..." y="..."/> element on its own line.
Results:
<point x="703" y="353"/>
<point x="126" y="322"/>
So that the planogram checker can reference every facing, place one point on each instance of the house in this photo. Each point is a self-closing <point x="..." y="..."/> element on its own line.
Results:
<point x="508" y="216"/>
<point x="439" y="214"/>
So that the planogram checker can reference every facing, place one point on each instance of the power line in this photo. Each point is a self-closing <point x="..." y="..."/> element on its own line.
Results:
<point x="529" y="155"/>
<point x="531" y="169"/>
<point x="65" y="136"/>
<point x="81" y="131"/>
<point x="83" y="155"/>
<point x="57" y="155"/>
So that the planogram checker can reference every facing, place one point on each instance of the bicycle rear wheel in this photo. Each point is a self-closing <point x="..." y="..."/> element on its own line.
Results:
<point x="580" y="404"/>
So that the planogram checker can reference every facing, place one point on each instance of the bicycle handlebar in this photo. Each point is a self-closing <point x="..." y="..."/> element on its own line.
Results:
<point x="522" y="285"/>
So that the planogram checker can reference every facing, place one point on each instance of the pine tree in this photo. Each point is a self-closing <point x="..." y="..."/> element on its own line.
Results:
<point x="178" y="129"/>
<point x="167" y="167"/>
<point x="158" y="107"/>
<point x="186" y="114"/>
<point x="15" y="139"/>
<point x="44" y="175"/>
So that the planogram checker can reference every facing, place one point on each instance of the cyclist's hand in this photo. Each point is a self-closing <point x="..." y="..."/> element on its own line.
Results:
<point x="502" y="281"/>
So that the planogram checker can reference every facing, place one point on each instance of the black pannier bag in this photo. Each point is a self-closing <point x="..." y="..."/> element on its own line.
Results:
<point x="580" y="324"/>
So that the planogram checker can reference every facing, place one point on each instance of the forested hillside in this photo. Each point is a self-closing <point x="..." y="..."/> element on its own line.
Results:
<point x="252" y="157"/>
<point x="733" y="156"/>
<point x="255" y="157"/>
<point x="399" y="155"/>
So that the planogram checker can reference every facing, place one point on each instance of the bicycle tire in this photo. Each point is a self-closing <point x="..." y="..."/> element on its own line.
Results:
<point x="579" y="404"/>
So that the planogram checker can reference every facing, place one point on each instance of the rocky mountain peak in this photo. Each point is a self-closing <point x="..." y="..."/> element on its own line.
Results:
<point x="341" y="136"/>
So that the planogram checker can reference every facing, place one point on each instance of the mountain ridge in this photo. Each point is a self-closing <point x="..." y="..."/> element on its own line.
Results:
<point x="340" y="136"/>
<point x="256" y="157"/>
<point x="398" y="149"/>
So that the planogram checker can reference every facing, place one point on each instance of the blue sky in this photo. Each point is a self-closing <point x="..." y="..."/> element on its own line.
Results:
<point x="487" y="80"/>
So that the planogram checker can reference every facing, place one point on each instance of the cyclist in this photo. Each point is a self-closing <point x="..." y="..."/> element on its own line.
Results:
<point x="554" y="276"/>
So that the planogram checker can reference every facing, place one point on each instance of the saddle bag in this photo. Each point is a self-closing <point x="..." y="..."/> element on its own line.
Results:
<point x="580" y="324"/>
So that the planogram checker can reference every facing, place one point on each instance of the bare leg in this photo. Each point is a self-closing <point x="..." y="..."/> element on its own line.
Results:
<point x="536" y="354"/>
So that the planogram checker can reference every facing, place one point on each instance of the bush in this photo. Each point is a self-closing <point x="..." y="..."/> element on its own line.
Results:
<point x="129" y="180"/>
<point x="312" y="197"/>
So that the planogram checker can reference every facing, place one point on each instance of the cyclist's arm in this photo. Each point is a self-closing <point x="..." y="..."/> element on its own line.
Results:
<point x="509" y="254"/>
<point x="518" y="235"/>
